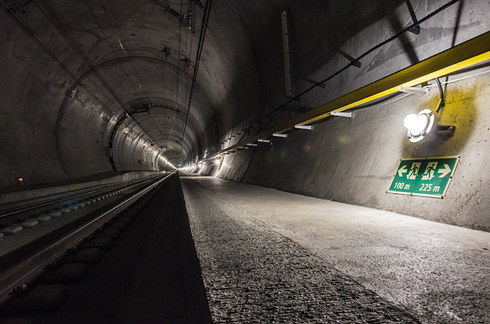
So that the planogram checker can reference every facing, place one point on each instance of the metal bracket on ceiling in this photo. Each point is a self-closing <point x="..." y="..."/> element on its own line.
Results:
<point x="188" y="19"/>
<point x="316" y="83"/>
<point x="199" y="4"/>
<point x="186" y="61"/>
<point x="167" y="51"/>
<point x="422" y="91"/>
<point x="415" y="29"/>
<point x="286" y="54"/>
<point x="193" y="16"/>
<point x="352" y="60"/>
<point x="141" y="108"/>
<point x="168" y="9"/>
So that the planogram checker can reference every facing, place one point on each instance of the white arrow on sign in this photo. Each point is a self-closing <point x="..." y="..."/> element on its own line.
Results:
<point x="402" y="170"/>
<point x="444" y="172"/>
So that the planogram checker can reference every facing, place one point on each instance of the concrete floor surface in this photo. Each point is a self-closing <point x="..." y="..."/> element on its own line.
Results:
<point x="438" y="272"/>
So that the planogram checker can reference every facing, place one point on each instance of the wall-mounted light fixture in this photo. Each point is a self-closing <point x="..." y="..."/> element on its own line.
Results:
<point x="263" y="141"/>
<point x="419" y="125"/>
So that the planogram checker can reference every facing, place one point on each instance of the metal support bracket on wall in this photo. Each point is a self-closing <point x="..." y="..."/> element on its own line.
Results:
<point x="415" y="29"/>
<point x="422" y="91"/>
<point x="193" y="17"/>
<point x="352" y="60"/>
<point x="287" y="56"/>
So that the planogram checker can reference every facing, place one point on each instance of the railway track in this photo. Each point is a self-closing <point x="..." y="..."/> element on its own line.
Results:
<point x="130" y="261"/>
<point x="38" y="233"/>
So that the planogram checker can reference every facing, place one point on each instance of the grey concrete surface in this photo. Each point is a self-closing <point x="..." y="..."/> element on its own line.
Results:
<point x="353" y="160"/>
<point x="438" y="272"/>
<point x="91" y="69"/>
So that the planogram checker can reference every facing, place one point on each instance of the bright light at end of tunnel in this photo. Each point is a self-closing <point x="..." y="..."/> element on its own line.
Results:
<point x="419" y="125"/>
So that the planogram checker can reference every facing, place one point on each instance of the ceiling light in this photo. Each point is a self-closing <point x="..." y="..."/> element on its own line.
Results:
<point x="419" y="125"/>
<point x="280" y="135"/>
<point x="341" y="114"/>
<point x="305" y="127"/>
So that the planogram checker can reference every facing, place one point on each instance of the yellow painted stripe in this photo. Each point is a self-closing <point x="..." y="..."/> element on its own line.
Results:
<point x="471" y="52"/>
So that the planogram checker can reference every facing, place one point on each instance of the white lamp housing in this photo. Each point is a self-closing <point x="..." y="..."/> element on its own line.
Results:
<point x="419" y="125"/>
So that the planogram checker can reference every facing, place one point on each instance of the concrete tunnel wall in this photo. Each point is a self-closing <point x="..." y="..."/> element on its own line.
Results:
<point x="353" y="160"/>
<point x="77" y="76"/>
<point x="52" y="128"/>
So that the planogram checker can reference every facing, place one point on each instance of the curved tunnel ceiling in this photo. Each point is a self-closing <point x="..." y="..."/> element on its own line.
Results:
<point x="138" y="61"/>
<point x="114" y="78"/>
<point x="123" y="56"/>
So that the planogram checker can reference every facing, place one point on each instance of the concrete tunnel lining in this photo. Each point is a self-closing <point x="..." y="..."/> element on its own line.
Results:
<point x="71" y="29"/>
<point x="92" y="87"/>
<point x="76" y="51"/>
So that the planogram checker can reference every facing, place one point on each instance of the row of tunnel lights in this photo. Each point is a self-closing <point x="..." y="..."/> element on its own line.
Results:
<point x="418" y="127"/>
<point x="66" y="208"/>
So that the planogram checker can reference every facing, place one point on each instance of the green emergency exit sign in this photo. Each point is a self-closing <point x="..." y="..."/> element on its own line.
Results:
<point x="424" y="177"/>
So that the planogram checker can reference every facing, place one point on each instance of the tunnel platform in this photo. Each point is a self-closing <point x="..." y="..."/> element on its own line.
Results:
<point x="272" y="256"/>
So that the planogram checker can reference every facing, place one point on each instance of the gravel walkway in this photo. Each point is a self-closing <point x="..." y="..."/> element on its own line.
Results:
<point x="255" y="275"/>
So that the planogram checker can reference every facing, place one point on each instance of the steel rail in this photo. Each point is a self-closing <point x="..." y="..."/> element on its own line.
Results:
<point x="31" y="266"/>
<point x="63" y="197"/>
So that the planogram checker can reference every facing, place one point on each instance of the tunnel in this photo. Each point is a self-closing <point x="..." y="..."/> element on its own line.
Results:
<point x="212" y="161"/>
